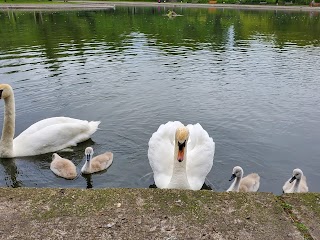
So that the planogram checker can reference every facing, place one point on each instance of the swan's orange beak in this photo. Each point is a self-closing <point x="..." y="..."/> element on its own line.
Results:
<point x="180" y="155"/>
<point x="181" y="151"/>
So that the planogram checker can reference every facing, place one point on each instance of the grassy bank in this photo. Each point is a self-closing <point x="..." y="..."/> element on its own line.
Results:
<point x="47" y="213"/>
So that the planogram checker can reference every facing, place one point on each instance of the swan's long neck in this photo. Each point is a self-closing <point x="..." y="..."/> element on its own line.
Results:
<point x="296" y="185"/>
<point x="235" y="185"/>
<point x="87" y="166"/>
<point x="6" y="142"/>
<point x="179" y="177"/>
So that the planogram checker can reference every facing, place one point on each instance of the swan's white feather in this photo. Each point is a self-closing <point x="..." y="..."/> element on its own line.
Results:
<point x="160" y="153"/>
<point x="50" y="121"/>
<point x="52" y="134"/>
<point x="200" y="153"/>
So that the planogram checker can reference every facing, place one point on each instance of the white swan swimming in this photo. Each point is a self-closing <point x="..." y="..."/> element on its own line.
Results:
<point x="63" y="167"/>
<point x="48" y="135"/>
<point x="98" y="163"/>
<point x="180" y="157"/>
<point x="249" y="183"/>
<point x="297" y="183"/>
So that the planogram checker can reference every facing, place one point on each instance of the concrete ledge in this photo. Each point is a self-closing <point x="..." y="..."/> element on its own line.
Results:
<point x="31" y="213"/>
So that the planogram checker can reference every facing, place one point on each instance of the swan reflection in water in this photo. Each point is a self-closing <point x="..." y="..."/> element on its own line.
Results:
<point x="88" y="180"/>
<point x="11" y="173"/>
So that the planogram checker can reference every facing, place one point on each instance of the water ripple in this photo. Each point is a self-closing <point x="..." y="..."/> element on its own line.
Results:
<point x="256" y="97"/>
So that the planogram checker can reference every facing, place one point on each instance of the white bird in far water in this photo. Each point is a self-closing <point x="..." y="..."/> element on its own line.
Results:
<point x="63" y="167"/>
<point x="47" y="135"/>
<point x="180" y="156"/>
<point x="98" y="163"/>
<point x="297" y="183"/>
<point x="249" y="183"/>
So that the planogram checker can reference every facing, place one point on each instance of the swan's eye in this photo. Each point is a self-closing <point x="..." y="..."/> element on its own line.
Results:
<point x="181" y="145"/>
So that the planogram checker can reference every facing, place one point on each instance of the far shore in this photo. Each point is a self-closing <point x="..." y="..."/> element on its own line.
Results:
<point x="94" y="5"/>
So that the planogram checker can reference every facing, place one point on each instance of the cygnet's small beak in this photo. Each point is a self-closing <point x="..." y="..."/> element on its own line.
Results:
<point x="1" y="90"/>
<point x="292" y="179"/>
<point x="88" y="157"/>
<point x="233" y="176"/>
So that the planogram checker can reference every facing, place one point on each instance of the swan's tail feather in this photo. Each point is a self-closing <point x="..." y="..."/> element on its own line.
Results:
<point x="93" y="126"/>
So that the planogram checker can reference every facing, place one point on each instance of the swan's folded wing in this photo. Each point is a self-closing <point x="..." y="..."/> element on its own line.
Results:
<point x="251" y="183"/>
<point x="303" y="184"/>
<point x="52" y="138"/>
<point x="160" y="153"/>
<point x="200" y="156"/>
<point x="48" y="122"/>
<point x="287" y="186"/>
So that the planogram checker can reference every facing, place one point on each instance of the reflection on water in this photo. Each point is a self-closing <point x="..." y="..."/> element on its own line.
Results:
<point x="250" y="78"/>
<point x="10" y="173"/>
<point x="88" y="178"/>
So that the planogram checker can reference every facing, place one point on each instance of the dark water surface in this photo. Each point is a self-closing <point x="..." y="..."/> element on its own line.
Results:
<point x="250" y="78"/>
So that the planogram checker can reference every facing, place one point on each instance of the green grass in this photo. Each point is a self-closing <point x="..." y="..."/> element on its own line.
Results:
<point x="288" y="208"/>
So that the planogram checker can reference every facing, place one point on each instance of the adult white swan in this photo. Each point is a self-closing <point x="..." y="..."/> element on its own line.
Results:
<point x="48" y="135"/>
<point x="180" y="157"/>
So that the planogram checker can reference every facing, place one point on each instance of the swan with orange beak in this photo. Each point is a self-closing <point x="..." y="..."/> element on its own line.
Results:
<point x="180" y="156"/>
<point x="182" y="135"/>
